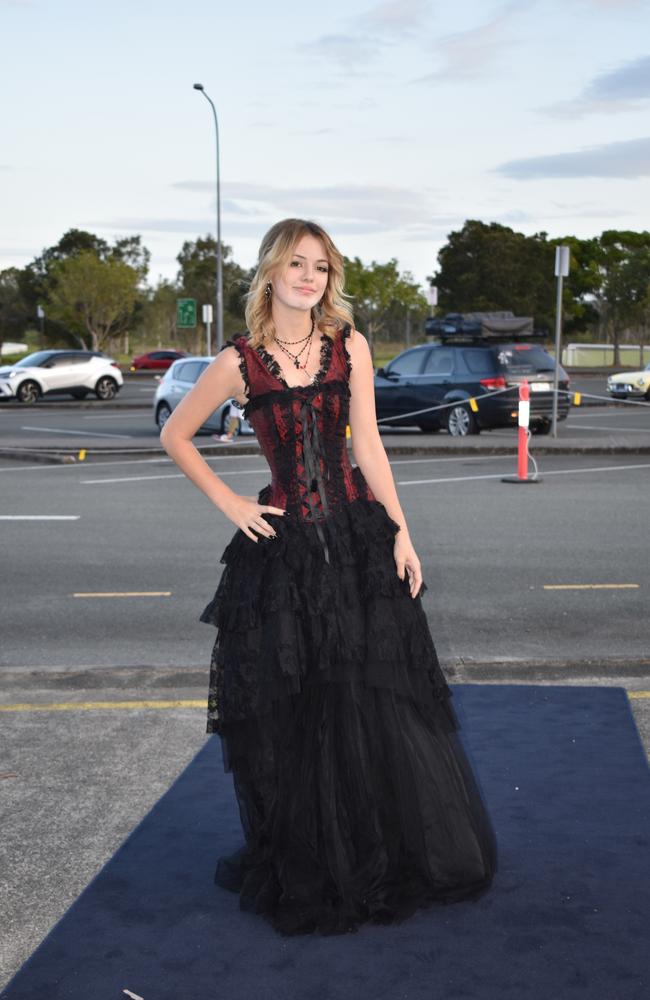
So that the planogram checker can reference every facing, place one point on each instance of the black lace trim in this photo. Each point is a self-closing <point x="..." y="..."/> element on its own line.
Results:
<point x="242" y="365"/>
<point x="345" y="334"/>
<point x="274" y="367"/>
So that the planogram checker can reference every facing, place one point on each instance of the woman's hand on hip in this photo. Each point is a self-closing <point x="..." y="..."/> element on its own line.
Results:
<point x="246" y="513"/>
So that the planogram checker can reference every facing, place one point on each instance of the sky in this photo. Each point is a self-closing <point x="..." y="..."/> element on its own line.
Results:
<point x="388" y="123"/>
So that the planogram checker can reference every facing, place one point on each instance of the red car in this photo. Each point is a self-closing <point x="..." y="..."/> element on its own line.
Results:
<point x="157" y="360"/>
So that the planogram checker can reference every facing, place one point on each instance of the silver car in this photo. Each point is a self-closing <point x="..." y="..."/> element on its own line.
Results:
<point x="176" y="382"/>
<point x="75" y="373"/>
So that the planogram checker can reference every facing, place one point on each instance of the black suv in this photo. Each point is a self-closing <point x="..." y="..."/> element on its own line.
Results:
<point x="461" y="368"/>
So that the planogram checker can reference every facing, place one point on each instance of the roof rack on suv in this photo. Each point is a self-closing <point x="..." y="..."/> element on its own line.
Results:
<point x="487" y="327"/>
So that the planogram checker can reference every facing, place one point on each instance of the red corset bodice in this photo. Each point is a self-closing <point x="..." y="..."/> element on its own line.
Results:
<point x="302" y="429"/>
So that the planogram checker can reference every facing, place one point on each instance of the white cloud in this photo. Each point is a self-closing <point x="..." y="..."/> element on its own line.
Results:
<point x="472" y="53"/>
<point x="628" y="159"/>
<point x="622" y="89"/>
<point x="395" y="16"/>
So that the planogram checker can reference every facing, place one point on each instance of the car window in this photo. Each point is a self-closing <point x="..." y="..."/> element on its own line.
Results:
<point x="59" y="361"/>
<point x="189" y="372"/>
<point x="34" y="360"/>
<point x="523" y="359"/>
<point x="76" y="359"/>
<point x="157" y="355"/>
<point x="439" y="362"/>
<point x="408" y="363"/>
<point x="478" y="361"/>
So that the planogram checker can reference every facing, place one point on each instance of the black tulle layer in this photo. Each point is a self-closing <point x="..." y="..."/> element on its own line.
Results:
<point x="288" y="620"/>
<point x="356" y="797"/>
<point x="357" y="805"/>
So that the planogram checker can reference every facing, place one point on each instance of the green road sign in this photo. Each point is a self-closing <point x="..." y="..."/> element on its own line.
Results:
<point x="185" y="313"/>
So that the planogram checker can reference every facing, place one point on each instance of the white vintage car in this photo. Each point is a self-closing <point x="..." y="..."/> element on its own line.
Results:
<point x="630" y="384"/>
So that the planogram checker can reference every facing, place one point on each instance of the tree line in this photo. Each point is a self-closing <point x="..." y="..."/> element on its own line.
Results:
<point x="96" y="294"/>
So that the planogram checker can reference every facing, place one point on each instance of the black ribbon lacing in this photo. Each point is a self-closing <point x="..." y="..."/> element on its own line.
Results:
<point x="313" y="453"/>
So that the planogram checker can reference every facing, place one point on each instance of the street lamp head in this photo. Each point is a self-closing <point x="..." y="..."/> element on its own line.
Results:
<point x="198" y="86"/>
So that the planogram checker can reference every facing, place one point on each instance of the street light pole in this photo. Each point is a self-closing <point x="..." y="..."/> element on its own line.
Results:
<point x="199" y="86"/>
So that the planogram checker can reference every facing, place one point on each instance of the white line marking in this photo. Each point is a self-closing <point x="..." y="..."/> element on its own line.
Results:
<point x="125" y="461"/>
<point x="117" y="416"/>
<point x="56" y="430"/>
<point x="619" y="430"/>
<point x="39" y="517"/>
<point x="179" y="475"/>
<point x="547" y="472"/>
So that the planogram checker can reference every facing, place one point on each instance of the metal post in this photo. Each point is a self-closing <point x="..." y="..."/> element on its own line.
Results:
<point x="40" y="312"/>
<point x="561" y="271"/>
<point x="219" y="275"/>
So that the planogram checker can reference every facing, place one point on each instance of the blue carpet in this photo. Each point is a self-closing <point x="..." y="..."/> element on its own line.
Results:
<point x="566" y="781"/>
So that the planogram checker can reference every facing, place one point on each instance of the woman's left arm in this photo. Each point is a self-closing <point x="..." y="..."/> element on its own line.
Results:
<point x="370" y="455"/>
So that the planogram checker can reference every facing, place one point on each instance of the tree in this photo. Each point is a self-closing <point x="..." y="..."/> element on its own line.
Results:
<point x="490" y="267"/>
<point x="95" y="298"/>
<point x="379" y="293"/>
<point x="37" y="279"/>
<point x="623" y="267"/>
<point x="159" y="315"/>
<point x="14" y="315"/>
<point x="197" y="279"/>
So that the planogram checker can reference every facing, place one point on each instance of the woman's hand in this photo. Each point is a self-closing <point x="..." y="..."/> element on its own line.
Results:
<point x="407" y="562"/>
<point x="246" y="513"/>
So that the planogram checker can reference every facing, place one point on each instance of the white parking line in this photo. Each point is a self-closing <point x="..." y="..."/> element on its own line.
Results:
<point x="547" y="472"/>
<point x="124" y="461"/>
<point x="39" y="517"/>
<point x="58" y="430"/>
<point x="246" y="472"/>
<point x="619" y="430"/>
<point x="178" y="475"/>
<point x="116" y="416"/>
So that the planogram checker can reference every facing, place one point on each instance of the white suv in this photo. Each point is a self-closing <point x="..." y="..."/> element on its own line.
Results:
<point x="72" y="372"/>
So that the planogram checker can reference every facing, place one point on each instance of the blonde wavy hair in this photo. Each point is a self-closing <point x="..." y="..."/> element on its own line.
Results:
<point x="276" y="250"/>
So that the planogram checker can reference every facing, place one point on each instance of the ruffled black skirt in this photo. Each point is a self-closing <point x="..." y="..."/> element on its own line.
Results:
<point x="357" y="799"/>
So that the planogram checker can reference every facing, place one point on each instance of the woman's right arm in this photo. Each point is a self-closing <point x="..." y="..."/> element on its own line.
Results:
<point x="220" y="380"/>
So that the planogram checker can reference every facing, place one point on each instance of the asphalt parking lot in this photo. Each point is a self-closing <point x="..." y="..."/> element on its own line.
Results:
<point x="109" y="562"/>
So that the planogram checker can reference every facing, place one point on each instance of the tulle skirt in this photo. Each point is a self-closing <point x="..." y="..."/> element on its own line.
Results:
<point x="358" y="802"/>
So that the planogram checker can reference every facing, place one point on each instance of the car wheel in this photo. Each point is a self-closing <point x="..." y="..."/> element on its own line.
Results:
<point x="541" y="427"/>
<point x="80" y="393"/>
<point x="28" y="392"/>
<point x="106" y="388"/>
<point x="163" y="413"/>
<point x="461" y="421"/>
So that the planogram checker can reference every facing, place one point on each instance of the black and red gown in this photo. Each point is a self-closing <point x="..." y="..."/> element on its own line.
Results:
<point x="357" y="799"/>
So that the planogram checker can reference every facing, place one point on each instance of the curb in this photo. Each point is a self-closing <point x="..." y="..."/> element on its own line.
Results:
<point x="74" y="405"/>
<point x="165" y="678"/>
<point x="539" y="670"/>
<point x="60" y="456"/>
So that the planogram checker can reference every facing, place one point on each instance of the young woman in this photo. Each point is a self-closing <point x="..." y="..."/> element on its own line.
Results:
<point x="357" y="800"/>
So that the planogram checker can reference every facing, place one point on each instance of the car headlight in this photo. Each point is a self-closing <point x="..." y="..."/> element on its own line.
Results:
<point x="8" y="375"/>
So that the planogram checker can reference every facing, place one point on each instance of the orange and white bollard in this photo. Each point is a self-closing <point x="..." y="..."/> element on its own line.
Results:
<point x="522" y="441"/>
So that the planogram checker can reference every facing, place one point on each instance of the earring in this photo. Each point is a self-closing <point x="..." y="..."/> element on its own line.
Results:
<point x="267" y="290"/>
